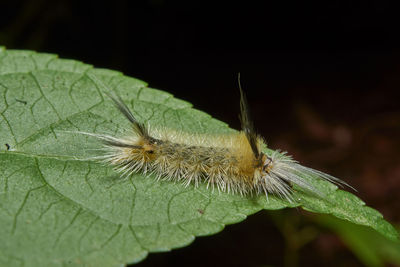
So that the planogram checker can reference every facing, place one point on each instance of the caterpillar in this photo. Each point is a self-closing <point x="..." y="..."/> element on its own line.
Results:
<point x="231" y="162"/>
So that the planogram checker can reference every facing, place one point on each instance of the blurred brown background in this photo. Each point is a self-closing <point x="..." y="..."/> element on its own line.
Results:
<point x="322" y="80"/>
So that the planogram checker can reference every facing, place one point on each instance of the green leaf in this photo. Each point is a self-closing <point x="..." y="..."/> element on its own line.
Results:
<point x="369" y="246"/>
<point x="59" y="207"/>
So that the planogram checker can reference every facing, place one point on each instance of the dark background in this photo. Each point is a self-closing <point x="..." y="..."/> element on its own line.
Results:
<point x="322" y="80"/>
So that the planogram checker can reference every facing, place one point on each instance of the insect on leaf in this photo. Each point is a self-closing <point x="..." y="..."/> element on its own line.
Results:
<point x="58" y="207"/>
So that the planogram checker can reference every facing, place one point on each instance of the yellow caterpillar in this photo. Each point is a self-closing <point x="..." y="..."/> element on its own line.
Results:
<point x="231" y="162"/>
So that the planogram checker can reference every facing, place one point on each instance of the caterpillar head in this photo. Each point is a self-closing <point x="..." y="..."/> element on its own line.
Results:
<point x="266" y="163"/>
<point x="274" y="175"/>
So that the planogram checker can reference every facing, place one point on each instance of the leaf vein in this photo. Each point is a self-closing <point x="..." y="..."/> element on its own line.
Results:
<point x="137" y="239"/>
<point x="48" y="208"/>
<point x="9" y="127"/>
<point x="57" y="240"/>
<point x="112" y="236"/>
<point x="14" y="226"/>
<point x="86" y="232"/>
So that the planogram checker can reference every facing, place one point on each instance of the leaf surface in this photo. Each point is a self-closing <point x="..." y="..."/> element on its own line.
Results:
<point x="58" y="207"/>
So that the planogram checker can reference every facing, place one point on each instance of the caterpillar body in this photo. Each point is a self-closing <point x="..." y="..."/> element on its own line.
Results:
<point x="230" y="162"/>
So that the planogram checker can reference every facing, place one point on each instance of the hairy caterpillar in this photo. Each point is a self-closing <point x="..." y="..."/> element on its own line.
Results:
<point x="231" y="162"/>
